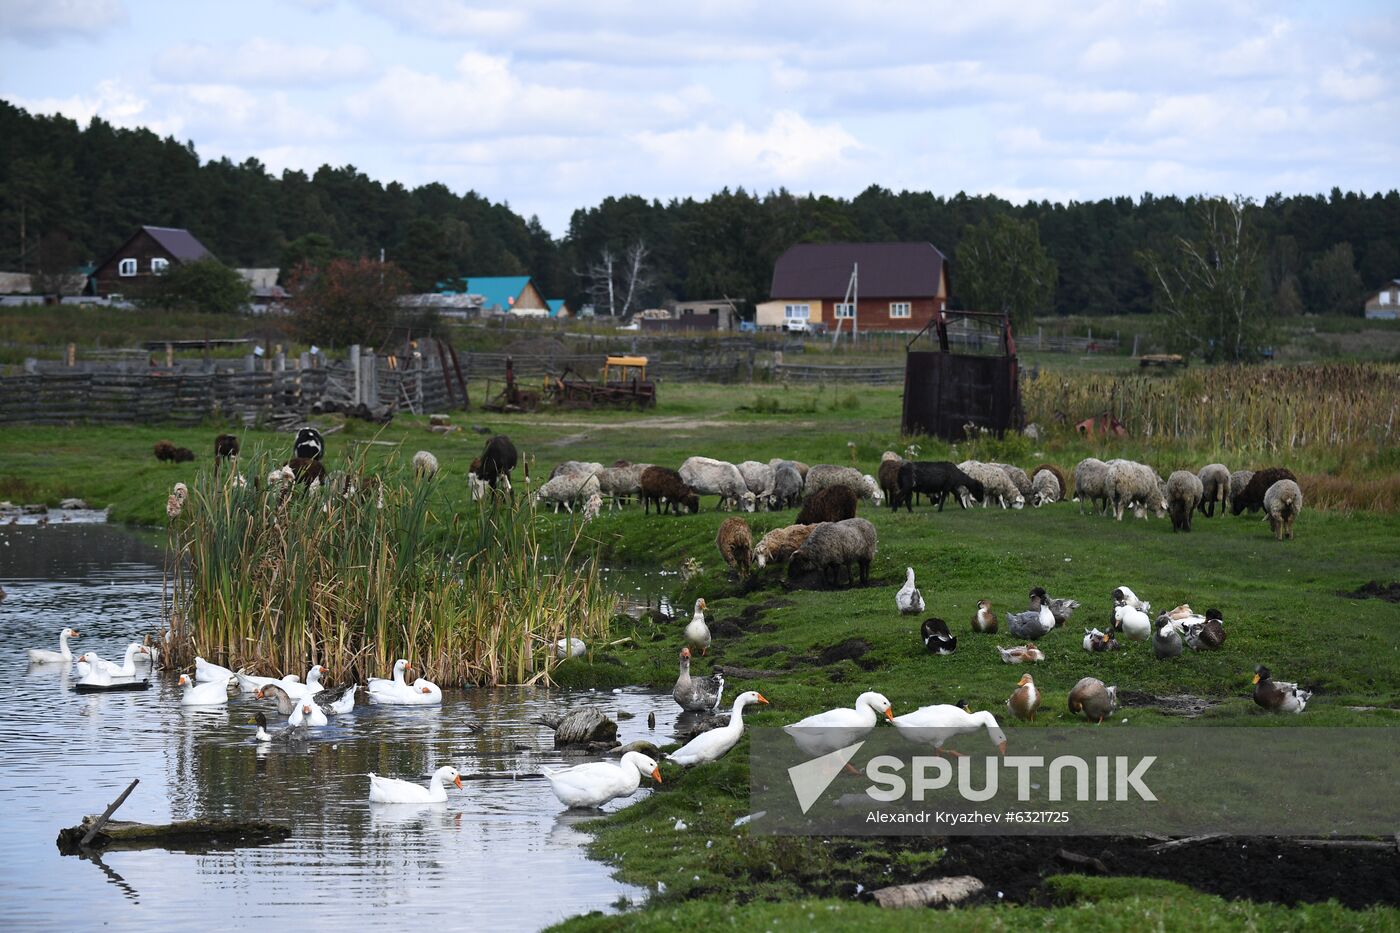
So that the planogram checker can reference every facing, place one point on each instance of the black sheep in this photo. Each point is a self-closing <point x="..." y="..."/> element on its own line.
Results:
<point x="307" y="471"/>
<point x="309" y="445"/>
<point x="1252" y="497"/>
<point x="225" y="447"/>
<point x="183" y="455"/>
<point x="935" y="479"/>
<point x="832" y="504"/>
<point x="497" y="460"/>
<point x="165" y="451"/>
<point x="664" y="486"/>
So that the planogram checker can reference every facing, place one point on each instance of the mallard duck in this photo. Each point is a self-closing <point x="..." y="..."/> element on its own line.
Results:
<point x="63" y="655"/>
<point x="1134" y="623"/>
<point x="1037" y="622"/>
<point x="937" y="639"/>
<point x="934" y="725"/>
<point x="392" y="790"/>
<point x="1093" y="699"/>
<point x="1061" y="609"/>
<point x="1209" y="634"/>
<point x="1025" y="699"/>
<point x="210" y="694"/>
<point x="1122" y="596"/>
<point x="595" y="783"/>
<point x="984" y="619"/>
<point x="1094" y="640"/>
<point x="697" y="633"/>
<point x="909" y="600"/>
<point x="1021" y="654"/>
<point x="697" y="694"/>
<point x="825" y="732"/>
<point x="715" y="744"/>
<point x="1278" y="696"/>
<point x="1166" y="641"/>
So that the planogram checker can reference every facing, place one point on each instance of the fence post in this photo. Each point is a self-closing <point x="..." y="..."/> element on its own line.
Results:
<point x="355" y="369"/>
<point x="371" y="380"/>
<point x="250" y="363"/>
<point x="72" y="355"/>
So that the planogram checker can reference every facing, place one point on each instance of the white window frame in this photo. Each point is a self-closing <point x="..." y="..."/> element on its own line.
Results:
<point x="1385" y="298"/>
<point x="159" y="266"/>
<point x="127" y="267"/>
<point x="845" y="310"/>
<point x="901" y="309"/>
<point x="797" y="312"/>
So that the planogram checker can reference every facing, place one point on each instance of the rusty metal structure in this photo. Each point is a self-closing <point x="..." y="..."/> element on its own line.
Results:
<point x="624" y="384"/>
<point x="946" y="394"/>
<point x="512" y="398"/>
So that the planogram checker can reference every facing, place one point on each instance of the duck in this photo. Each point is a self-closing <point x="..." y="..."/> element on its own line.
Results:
<point x="262" y="735"/>
<point x="697" y="633"/>
<point x="1092" y="698"/>
<point x="92" y="672"/>
<point x="206" y="672"/>
<point x="1182" y="613"/>
<point x="909" y="600"/>
<point x="1133" y="622"/>
<point x="206" y="694"/>
<point x="1061" y="609"/>
<point x="1166" y="641"/>
<point x="1094" y="640"/>
<point x="1209" y="634"/>
<point x="288" y="736"/>
<point x="1021" y="654"/>
<point x="934" y="725"/>
<point x="1036" y="622"/>
<point x="570" y="648"/>
<point x="589" y="786"/>
<point x="1122" y="596"/>
<point x="393" y="790"/>
<point x="984" y="619"/>
<point x="128" y="666"/>
<point x="697" y="694"/>
<point x="715" y="744"/>
<point x="1025" y="699"/>
<point x="936" y="637"/>
<point x="63" y="655"/>
<point x="1278" y="696"/>
<point x="825" y="732"/>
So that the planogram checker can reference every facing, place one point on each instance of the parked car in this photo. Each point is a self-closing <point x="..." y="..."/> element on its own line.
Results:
<point x="795" y="325"/>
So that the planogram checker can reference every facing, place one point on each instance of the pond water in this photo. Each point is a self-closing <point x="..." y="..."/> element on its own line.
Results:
<point x="501" y="854"/>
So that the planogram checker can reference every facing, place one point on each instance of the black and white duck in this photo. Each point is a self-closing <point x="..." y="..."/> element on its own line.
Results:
<point x="1278" y="696"/>
<point x="1061" y="609"/>
<point x="1095" y="640"/>
<point x="1034" y="623"/>
<point x="697" y="694"/>
<point x="936" y="637"/>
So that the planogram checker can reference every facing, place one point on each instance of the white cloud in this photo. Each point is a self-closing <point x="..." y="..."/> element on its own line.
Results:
<point x="451" y="18"/>
<point x="1351" y="87"/>
<point x="261" y="61"/>
<point x="43" y="22"/>
<point x="111" y="100"/>
<point x="789" y="150"/>
<point x="1105" y="53"/>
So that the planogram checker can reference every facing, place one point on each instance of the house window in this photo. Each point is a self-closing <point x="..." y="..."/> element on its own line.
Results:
<point x="1385" y="298"/>
<point x="845" y="310"/>
<point x="158" y="266"/>
<point x="126" y="267"/>
<point x="797" y="312"/>
<point x="899" y="309"/>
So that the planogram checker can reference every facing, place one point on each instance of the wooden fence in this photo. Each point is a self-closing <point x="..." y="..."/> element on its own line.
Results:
<point x="866" y="375"/>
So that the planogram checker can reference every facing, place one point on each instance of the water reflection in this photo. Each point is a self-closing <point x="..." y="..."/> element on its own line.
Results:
<point x="498" y="855"/>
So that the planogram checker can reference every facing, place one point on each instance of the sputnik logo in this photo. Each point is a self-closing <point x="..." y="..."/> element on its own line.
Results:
<point x="811" y="778"/>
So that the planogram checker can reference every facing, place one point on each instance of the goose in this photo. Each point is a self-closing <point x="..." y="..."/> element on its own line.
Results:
<point x="425" y="693"/>
<point x="570" y="648"/>
<point x="205" y="672"/>
<point x="715" y="744"/>
<point x="697" y="694"/>
<point x="128" y="666"/>
<point x="1166" y="640"/>
<point x="984" y="619"/>
<point x="91" y="671"/>
<point x="329" y="702"/>
<point x="63" y="655"/>
<point x="1094" y="640"/>
<point x="588" y="786"/>
<point x="392" y="790"/>
<point x="1278" y="696"/>
<point x="825" y="732"/>
<point x="936" y="637"/>
<point x="934" y="725"/>
<point x="1021" y="654"/>
<point x="397" y="692"/>
<point x="1025" y="699"/>
<point x="1037" y="622"/>
<point x="909" y="600"/>
<point x="251" y="683"/>
<point x="1134" y="623"/>
<point x="1093" y="699"/>
<point x="207" y="694"/>
<point x="1061" y="609"/>
<point x="697" y="633"/>
<point x="380" y="684"/>
<point x="307" y="710"/>
<point x="1122" y="596"/>
<point x="339" y="706"/>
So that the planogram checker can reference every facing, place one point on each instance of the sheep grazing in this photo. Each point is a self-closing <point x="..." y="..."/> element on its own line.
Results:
<point x="735" y="543"/>
<point x="832" y="504"/>
<point x="309" y="445"/>
<point x="425" y="465"/>
<point x="708" y="477"/>
<point x="1059" y="476"/>
<point x="621" y="481"/>
<point x="1238" y="481"/>
<point x="787" y="486"/>
<point x="1045" y="488"/>
<point x="497" y="460"/>
<point x="1252" y="496"/>
<point x="1091" y="485"/>
<point x="824" y="475"/>
<point x="664" y="486"/>
<point x="183" y="455"/>
<point x="778" y="545"/>
<point x="797" y="465"/>
<point x="1137" y="486"/>
<point x="566" y="489"/>
<point x="1018" y="477"/>
<point x="1184" y="491"/>
<point x="1215" y="488"/>
<point x="996" y="484"/>
<point x="592" y="507"/>
<point x="306" y="471"/>
<point x="936" y="479"/>
<point x="165" y="451"/>
<point x="225" y="448"/>
<point x="575" y="466"/>
<point x="834" y="546"/>
<point x="1282" y="503"/>
<point x="888" y="475"/>
<point x="759" y="478"/>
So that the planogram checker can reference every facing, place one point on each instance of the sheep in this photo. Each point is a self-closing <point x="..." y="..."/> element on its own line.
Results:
<point x="787" y="486"/>
<point x="1059" y="477"/>
<point x="307" y="470"/>
<point x="497" y="460"/>
<point x="592" y="507"/>
<point x="1091" y="485"/>
<point x="1184" y="491"/>
<point x="575" y="466"/>
<point x="665" y="487"/>
<point x="1215" y="488"/>
<point x="935" y="479"/>
<point x="1252" y="496"/>
<point x="1136" y="485"/>
<point x="832" y="504"/>
<point x="823" y="475"/>
<point x="798" y="465"/>
<point x="888" y="475"/>
<point x="183" y="455"/>
<point x="1018" y="478"/>
<point x="225" y="448"/>
<point x="995" y="484"/>
<point x="165" y="451"/>
<point x="836" y="545"/>
<point x="309" y="445"/>
<point x="620" y="482"/>
<point x="1045" y="488"/>
<point x="1282" y="502"/>
<point x="567" y="489"/>
<point x="735" y="543"/>
<point x="708" y="477"/>
<point x="1238" y="480"/>
<point x="425" y="464"/>
<point x="759" y="478"/>
<point x="777" y="545"/>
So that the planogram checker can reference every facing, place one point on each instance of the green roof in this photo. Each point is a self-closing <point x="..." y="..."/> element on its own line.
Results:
<point x="500" y="291"/>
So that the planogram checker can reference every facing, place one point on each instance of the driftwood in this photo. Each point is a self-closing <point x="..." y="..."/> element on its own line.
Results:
<point x="117" y="834"/>
<point x="1082" y="861"/>
<point x="585" y="726"/>
<point x="940" y="893"/>
<point x="1183" y="843"/>
<point x="101" y="821"/>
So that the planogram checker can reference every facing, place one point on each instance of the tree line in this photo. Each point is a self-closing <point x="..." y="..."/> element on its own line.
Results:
<point x="71" y="193"/>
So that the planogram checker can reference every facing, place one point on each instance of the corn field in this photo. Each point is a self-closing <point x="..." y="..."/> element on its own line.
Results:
<point x="274" y="578"/>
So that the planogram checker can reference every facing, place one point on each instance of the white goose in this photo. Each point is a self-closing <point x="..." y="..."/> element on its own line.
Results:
<point x="825" y="732"/>
<point x="251" y="683"/>
<point x="909" y="600"/>
<point x="306" y="710"/>
<point x="715" y="744"/>
<point x="397" y="692"/>
<point x="63" y="655"/>
<point x="346" y="703"/>
<point x="91" y="671"/>
<point x="207" y="694"/>
<point x="1135" y="623"/>
<point x="934" y="725"/>
<point x="205" y="672"/>
<point x="697" y="632"/>
<point x="392" y="790"/>
<point x="128" y="666"/>
<point x="595" y="783"/>
<point x="570" y="648"/>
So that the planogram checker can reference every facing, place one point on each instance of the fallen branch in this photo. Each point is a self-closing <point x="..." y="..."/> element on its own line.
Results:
<point x="1083" y="861"/>
<point x="119" y="834"/>
<point x="1186" y="841"/>
<point x="101" y="821"/>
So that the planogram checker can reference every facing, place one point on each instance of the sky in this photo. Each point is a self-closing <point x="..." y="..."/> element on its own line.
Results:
<point x="553" y="105"/>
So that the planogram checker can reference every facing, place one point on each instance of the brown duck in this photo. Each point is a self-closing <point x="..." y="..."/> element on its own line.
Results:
<point x="1025" y="700"/>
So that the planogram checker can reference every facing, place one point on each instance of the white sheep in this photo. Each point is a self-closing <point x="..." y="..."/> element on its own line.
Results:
<point x="822" y="475"/>
<point x="1091" y="485"/>
<point x="709" y="477"/>
<point x="1135" y="485"/>
<point x="1045" y="488"/>
<point x="619" y="483"/>
<point x="568" y="488"/>
<point x="592" y="507"/>
<point x="425" y="464"/>
<point x="759" y="477"/>
<point x="1018" y="477"/>
<point x="1282" y="503"/>
<point x="996" y="484"/>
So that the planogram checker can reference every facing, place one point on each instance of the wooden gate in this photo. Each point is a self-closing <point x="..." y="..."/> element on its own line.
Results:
<point x="944" y="392"/>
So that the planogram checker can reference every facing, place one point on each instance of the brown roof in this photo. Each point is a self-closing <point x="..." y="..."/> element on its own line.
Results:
<point x="178" y="242"/>
<point x="887" y="270"/>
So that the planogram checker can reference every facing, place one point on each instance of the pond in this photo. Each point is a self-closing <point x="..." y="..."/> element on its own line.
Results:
<point x="502" y="854"/>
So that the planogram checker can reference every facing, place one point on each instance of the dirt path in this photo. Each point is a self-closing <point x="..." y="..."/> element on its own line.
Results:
<point x="668" y="422"/>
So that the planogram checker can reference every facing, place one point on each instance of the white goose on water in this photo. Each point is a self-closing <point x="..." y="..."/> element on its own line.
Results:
<point x="307" y="710"/>
<point x="63" y="655"/>
<point x="205" y="672"/>
<point x="128" y="666"/>
<point x="91" y="671"/>
<point x="715" y="744"/>
<point x="392" y="790"/>
<point x="909" y="600"/>
<point x="398" y="692"/>
<point x="251" y="683"/>
<point x="208" y="694"/>
<point x="595" y="783"/>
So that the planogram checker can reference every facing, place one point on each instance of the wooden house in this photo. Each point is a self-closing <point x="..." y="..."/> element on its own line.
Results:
<point x="899" y="286"/>
<point x="148" y="252"/>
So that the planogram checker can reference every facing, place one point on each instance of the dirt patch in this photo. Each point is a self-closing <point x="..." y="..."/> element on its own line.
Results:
<point x="848" y="650"/>
<point x="1176" y="704"/>
<point x="1390" y="592"/>
<point x="767" y="651"/>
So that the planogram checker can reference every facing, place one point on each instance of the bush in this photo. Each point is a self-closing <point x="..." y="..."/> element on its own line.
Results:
<point x="206" y="285"/>
<point x="347" y="301"/>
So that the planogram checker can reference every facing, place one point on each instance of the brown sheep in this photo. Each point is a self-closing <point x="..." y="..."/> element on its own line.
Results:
<point x="735" y="543"/>
<point x="777" y="545"/>
<point x="1252" y="497"/>
<point x="832" y="504"/>
<point x="183" y="455"/>
<point x="307" y="470"/>
<point x="888" y="475"/>
<point x="165" y="451"/>
<point x="665" y="487"/>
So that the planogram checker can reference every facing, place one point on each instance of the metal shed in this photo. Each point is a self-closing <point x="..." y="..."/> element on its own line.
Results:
<point x="946" y="391"/>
